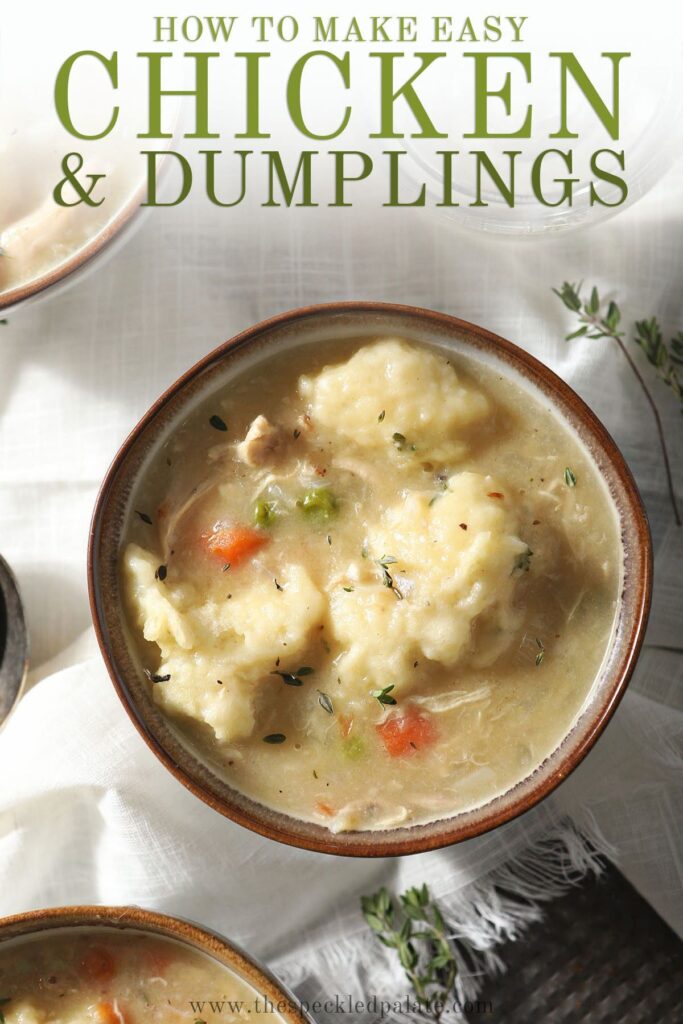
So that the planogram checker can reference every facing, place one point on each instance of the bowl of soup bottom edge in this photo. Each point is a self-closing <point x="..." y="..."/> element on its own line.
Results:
<point x="55" y="276"/>
<point x="325" y="323"/>
<point x="64" y="922"/>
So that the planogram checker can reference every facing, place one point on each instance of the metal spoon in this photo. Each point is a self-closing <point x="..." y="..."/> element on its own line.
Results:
<point x="13" y="642"/>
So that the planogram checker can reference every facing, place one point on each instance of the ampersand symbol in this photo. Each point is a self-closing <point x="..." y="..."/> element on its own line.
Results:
<point x="71" y="165"/>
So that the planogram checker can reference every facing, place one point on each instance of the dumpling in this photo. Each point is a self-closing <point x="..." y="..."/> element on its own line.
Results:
<point x="400" y="398"/>
<point x="217" y="653"/>
<point x="454" y="560"/>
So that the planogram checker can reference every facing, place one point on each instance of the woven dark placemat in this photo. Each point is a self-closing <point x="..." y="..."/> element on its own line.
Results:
<point x="601" y="955"/>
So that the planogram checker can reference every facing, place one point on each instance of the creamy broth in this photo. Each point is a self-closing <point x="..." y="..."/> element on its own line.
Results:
<point x="373" y="581"/>
<point x="103" y="976"/>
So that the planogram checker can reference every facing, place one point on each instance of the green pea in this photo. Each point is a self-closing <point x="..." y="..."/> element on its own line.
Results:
<point x="265" y="513"/>
<point x="319" y="502"/>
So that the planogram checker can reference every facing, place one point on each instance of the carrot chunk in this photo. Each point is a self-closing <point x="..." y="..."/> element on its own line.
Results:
<point x="107" y="1013"/>
<point x="99" y="965"/>
<point x="405" y="734"/>
<point x="234" y="544"/>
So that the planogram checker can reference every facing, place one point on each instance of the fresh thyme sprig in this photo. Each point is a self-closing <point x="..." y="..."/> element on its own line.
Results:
<point x="649" y="337"/>
<point x="598" y="322"/>
<point x="417" y="931"/>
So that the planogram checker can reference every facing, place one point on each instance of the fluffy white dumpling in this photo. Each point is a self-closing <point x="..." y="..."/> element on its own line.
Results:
<point x="268" y="619"/>
<point x="371" y="626"/>
<point x="155" y="612"/>
<point x="218" y="653"/>
<point x="456" y="562"/>
<point x="391" y="388"/>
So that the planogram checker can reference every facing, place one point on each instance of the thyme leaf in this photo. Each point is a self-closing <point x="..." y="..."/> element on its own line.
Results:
<point x="541" y="652"/>
<point x="383" y="696"/>
<point x="217" y="423"/>
<point x="401" y="443"/>
<point x="569" y="477"/>
<point x="325" y="702"/>
<point x="154" y="678"/>
<point x="596" y="321"/>
<point x="294" y="678"/>
<point x="387" y="578"/>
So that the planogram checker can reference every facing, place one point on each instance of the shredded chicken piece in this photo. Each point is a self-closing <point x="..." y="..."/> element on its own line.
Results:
<point x="260" y="443"/>
<point x="360" y="813"/>
<point x="453" y="699"/>
<point x="266" y="479"/>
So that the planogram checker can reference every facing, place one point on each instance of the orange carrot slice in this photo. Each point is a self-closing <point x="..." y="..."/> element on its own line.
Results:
<point x="234" y="544"/>
<point x="408" y="733"/>
<point x="108" y="1014"/>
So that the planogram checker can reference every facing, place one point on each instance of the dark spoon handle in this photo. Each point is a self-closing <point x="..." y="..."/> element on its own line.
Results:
<point x="13" y="642"/>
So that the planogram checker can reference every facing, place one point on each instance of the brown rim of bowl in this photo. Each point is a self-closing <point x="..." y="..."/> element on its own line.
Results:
<point x="111" y="231"/>
<point x="215" y="945"/>
<point x="416" y="838"/>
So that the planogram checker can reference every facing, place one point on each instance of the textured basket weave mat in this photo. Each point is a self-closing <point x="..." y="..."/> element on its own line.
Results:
<point x="601" y="955"/>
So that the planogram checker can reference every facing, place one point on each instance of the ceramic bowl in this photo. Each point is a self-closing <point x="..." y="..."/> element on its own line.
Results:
<point x="308" y="326"/>
<point x="56" y="278"/>
<point x="135" y="919"/>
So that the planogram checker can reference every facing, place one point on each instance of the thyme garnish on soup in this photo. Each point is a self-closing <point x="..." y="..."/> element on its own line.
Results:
<point x="294" y="678"/>
<point x="383" y="696"/>
<point x="217" y="423"/>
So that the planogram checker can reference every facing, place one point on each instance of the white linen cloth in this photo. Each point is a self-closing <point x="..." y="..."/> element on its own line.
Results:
<point x="86" y="812"/>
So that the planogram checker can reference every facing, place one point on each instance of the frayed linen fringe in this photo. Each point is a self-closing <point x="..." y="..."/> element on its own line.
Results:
<point x="483" y="915"/>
